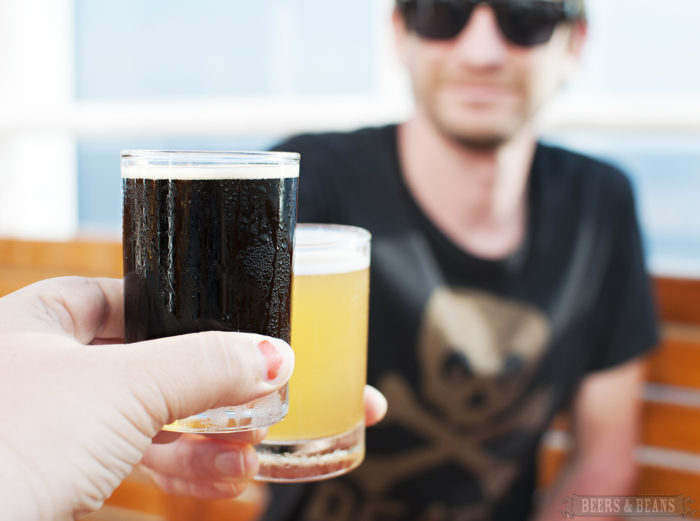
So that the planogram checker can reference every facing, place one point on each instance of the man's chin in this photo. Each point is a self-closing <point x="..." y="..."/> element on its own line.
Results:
<point x="484" y="142"/>
<point x="477" y="139"/>
<point x="469" y="131"/>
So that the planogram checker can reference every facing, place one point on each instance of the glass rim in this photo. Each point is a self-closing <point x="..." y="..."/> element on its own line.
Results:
<point x="204" y="157"/>
<point x="346" y="236"/>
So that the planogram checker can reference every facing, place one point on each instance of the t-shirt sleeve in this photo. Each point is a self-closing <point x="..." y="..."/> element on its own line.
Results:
<point x="626" y="325"/>
<point x="313" y="198"/>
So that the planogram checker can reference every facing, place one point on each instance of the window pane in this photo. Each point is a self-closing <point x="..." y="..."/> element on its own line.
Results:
<point x="641" y="47"/>
<point x="166" y="48"/>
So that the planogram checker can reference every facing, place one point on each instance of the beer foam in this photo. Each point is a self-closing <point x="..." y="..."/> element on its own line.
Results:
<point x="213" y="172"/>
<point x="316" y="252"/>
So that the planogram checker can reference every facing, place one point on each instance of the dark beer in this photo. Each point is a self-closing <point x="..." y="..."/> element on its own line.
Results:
<point x="205" y="252"/>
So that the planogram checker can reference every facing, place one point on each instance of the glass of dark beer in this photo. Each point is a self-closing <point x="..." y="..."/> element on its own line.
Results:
<point x="208" y="243"/>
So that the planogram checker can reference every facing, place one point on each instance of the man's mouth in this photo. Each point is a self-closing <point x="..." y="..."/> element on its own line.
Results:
<point x="480" y="93"/>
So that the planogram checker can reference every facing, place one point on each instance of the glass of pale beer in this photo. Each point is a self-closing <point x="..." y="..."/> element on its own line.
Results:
<point x="208" y="242"/>
<point x="323" y="434"/>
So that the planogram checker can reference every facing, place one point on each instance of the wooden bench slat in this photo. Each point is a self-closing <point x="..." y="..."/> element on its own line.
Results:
<point x="671" y="426"/>
<point x="678" y="299"/>
<point x="147" y="498"/>
<point x="25" y="262"/>
<point x="664" y="425"/>
<point x="658" y="480"/>
<point x="652" y="479"/>
<point x="676" y="362"/>
<point x="71" y="255"/>
<point x="550" y="462"/>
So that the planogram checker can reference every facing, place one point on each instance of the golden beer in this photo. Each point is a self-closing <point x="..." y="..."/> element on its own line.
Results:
<point x="323" y="432"/>
<point x="329" y="338"/>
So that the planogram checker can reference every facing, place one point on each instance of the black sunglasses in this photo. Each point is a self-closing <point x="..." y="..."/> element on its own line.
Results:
<point x="523" y="22"/>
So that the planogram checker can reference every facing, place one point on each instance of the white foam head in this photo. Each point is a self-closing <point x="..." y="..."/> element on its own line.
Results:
<point x="183" y="165"/>
<point x="328" y="249"/>
<point x="211" y="173"/>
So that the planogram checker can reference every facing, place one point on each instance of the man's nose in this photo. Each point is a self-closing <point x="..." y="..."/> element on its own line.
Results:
<point x="481" y="43"/>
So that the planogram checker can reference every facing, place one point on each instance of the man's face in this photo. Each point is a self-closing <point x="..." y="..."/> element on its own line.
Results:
<point x="478" y="88"/>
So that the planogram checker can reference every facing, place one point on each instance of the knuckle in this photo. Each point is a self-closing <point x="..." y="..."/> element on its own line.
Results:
<point x="185" y="458"/>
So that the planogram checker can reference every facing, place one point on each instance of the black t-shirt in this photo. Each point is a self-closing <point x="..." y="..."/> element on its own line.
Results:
<point x="475" y="356"/>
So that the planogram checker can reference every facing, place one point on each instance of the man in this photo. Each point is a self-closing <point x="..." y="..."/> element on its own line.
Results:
<point x="507" y="277"/>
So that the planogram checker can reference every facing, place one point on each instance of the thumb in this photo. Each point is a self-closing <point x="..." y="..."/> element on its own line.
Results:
<point x="179" y="376"/>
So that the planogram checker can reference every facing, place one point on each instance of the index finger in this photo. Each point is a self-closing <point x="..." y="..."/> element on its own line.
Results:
<point x="88" y="309"/>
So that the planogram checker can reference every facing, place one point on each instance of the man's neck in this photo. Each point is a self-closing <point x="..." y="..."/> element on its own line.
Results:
<point x="475" y="196"/>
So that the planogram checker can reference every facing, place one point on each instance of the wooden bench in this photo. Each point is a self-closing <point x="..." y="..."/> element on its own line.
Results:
<point x="669" y="455"/>
<point x="24" y="262"/>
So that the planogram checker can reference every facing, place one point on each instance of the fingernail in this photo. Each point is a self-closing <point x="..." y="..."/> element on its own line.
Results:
<point x="237" y="464"/>
<point x="273" y="359"/>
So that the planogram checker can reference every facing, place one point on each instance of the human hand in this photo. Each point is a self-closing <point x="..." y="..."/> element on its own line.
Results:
<point x="199" y="465"/>
<point x="78" y="417"/>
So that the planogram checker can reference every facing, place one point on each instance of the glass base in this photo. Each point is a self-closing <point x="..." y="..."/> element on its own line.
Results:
<point x="311" y="460"/>
<point x="262" y="412"/>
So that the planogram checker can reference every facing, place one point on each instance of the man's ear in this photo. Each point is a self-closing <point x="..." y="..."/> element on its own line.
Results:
<point x="577" y="40"/>
<point x="579" y="35"/>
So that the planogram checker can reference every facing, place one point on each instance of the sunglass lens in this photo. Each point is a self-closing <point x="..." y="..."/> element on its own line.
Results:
<point x="436" y="19"/>
<point x="528" y="23"/>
